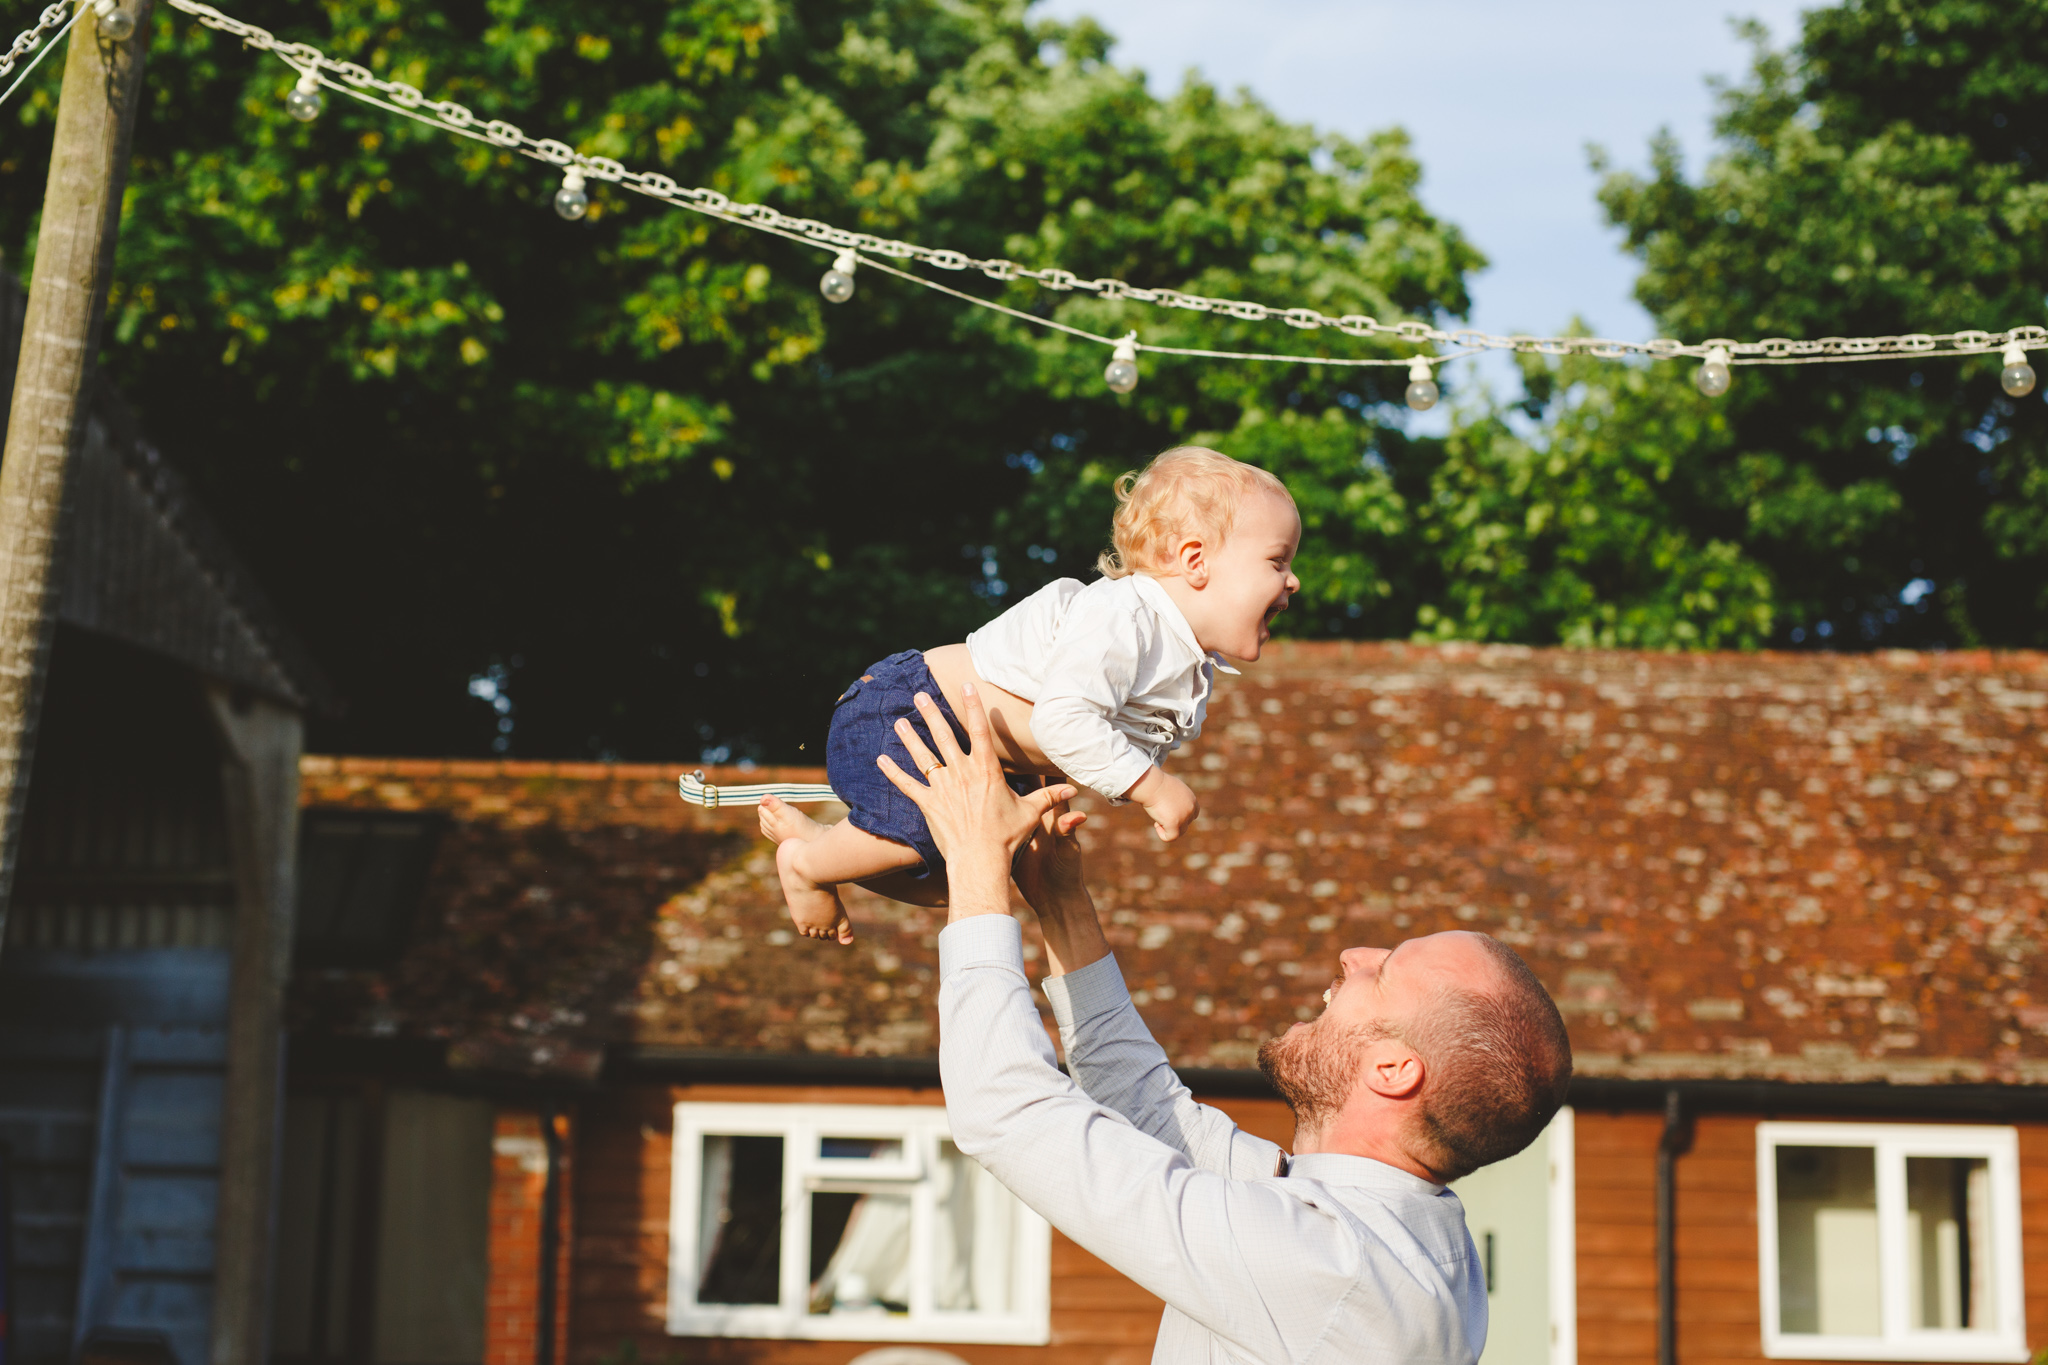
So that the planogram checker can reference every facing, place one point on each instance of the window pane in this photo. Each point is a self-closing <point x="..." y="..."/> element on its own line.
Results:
<point x="860" y="1149"/>
<point x="860" y="1253"/>
<point x="739" y="1228"/>
<point x="1948" y="1263"/>
<point x="1827" y="1241"/>
<point x="976" y="1234"/>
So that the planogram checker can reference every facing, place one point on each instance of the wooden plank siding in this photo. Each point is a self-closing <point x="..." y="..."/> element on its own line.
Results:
<point x="620" y="1284"/>
<point x="1615" y="1160"/>
<point x="620" y="1279"/>
<point x="1719" y="1309"/>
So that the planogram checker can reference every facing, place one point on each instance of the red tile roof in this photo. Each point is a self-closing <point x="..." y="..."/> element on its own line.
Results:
<point x="1796" y="867"/>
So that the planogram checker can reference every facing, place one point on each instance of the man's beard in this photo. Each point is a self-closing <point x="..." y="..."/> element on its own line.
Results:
<point x="1314" y="1068"/>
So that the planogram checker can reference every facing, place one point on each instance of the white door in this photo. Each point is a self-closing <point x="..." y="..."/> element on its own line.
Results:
<point x="1521" y="1217"/>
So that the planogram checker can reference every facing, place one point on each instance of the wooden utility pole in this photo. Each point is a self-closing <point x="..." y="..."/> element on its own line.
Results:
<point x="59" y="340"/>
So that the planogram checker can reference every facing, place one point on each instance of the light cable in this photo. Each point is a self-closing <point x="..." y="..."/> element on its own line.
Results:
<point x="863" y="249"/>
<point x="53" y="17"/>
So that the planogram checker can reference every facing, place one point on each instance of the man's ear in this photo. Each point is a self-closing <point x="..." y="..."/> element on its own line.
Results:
<point x="1393" y="1071"/>
<point x="1191" y="558"/>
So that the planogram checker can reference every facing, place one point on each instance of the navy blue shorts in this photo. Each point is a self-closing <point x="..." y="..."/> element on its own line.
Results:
<point x="864" y="727"/>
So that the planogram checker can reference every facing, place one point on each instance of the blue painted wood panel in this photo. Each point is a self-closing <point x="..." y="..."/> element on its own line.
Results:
<point x="116" y="1131"/>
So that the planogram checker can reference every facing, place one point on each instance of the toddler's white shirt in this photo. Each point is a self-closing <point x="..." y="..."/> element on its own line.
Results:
<point x="1112" y="669"/>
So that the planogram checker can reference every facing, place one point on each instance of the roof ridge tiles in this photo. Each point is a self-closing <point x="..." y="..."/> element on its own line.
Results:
<point x="363" y="765"/>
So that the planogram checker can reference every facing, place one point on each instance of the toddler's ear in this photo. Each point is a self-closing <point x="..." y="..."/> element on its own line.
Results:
<point x="1192" y="559"/>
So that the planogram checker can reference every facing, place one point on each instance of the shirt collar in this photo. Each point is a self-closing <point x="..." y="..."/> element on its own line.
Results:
<point x="1155" y="596"/>
<point x="1341" y="1168"/>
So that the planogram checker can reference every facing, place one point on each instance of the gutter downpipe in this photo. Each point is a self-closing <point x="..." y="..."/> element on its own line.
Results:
<point x="1675" y="1140"/>
<point x="550" y="1238"/>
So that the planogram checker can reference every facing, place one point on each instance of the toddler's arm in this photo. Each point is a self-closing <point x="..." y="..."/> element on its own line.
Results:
<point x="1091" y="673"/>
<point x="1169" y="801"/>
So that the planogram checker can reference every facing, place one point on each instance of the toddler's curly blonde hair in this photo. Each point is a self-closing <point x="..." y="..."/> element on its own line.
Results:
<point x="1186" y="489"/>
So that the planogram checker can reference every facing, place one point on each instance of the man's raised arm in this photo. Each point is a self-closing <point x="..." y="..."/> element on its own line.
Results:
<point x="1110" y="1051"/>
<point x="1264" y="1271"/>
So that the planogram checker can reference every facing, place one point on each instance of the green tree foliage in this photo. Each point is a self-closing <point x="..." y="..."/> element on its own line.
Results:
<point x="1886" y="175"/>
<point x="1593" y="530"/>
<point x="636" y="462"/>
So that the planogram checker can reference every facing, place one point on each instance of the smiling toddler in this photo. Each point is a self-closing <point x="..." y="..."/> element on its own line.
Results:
<point x="1090" y="683"/>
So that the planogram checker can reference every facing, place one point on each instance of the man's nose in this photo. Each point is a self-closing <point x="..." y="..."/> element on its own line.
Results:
<point x="1362" y="961"/>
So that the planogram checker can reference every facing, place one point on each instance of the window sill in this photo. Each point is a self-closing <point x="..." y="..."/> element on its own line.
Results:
<point x="1976" y="1348"/>
<point x="775" y="1325"/>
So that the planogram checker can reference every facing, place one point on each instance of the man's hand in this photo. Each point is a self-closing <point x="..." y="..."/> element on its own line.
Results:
<point x="1048" y="866"/>
<point x="1048" y="872"/>
<point x="1169" y="801"/>
<point x="975" y="819"/>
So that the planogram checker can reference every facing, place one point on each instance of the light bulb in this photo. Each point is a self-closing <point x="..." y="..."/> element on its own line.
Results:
<point x="1713" y="376"/>
<point x="116" y="24"/>
<point x="570" y="200"/>
<point x="2017" y="378"/>
<point x="304" y="102"/>
<point x="837" y="286"/>
<point x="1422" y="390"/>
<point x="1122" y="372"/>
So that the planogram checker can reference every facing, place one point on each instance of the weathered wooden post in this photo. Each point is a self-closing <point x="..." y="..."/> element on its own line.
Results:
<point x="260" y="742"/>
<point x="60" y="338"/>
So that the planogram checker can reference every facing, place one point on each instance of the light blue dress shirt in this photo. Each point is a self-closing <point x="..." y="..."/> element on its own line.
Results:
<point x="1319" y="1259"/>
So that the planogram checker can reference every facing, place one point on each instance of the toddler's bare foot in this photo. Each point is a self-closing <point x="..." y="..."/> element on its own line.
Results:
<point x="816" y="910"/>
<point x="780" y="821"/>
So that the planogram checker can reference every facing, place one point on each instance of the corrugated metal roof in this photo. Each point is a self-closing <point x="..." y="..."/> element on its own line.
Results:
<point x="142" y="562"/>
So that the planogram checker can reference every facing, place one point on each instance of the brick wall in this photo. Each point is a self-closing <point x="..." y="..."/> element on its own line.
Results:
<point x="518" y="1187"/>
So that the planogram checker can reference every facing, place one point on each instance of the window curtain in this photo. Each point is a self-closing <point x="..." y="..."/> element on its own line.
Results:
<point x="714" y="1202"/>
<point x="871" y="1266"/>
<point x="975" y="1231"/>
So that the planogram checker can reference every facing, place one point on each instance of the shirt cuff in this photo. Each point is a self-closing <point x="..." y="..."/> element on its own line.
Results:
<point x="1087" y="993"/>
<point x="981" y="941"/>
<point x="1121" y="775"/>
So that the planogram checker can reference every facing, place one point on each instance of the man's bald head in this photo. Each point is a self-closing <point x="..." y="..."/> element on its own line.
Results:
<point x="1489" y="1056"/>
<point x="1497" y="1062"/>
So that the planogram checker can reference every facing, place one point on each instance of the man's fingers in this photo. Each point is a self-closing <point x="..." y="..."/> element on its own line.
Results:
<point x="1045" y="798"/>
<point x="942" y="733"/>
<point x="975" y="721"/>
<point x="924" y="759"/>
<point x="1071" y="821"/>
<point x="905" y="783"/>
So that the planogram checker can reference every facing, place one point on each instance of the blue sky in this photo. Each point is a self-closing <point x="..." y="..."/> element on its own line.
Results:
<point x="1501" y="97"/>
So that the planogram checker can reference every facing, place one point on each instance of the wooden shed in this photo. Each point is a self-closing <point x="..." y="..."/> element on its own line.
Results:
<point x="147" y="941"/>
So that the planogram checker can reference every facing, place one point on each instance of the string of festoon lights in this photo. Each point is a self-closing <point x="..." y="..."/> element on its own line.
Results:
<point x="855" y="251"/>
<point x="53" y="23"/>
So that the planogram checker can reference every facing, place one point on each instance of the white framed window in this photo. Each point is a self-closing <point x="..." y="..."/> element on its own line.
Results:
<point x="847" y="1223"/>
<point x="1883" y="1241"/>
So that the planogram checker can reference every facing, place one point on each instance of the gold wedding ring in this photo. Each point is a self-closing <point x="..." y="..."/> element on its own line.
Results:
<point x="927" y="772"/>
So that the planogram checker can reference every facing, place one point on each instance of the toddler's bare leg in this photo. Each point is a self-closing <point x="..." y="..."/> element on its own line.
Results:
<point x="780" y="821"/>
<point x="812" y="870"/>
<point x="930" y="892"/>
